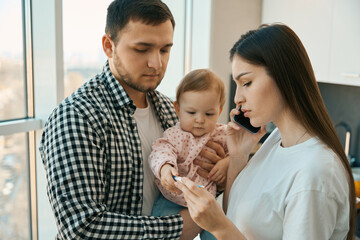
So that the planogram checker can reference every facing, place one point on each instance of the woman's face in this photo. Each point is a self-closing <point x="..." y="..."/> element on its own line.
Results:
<point x="257" y="93"/>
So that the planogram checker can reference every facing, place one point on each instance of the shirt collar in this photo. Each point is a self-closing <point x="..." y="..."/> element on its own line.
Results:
<point x="117" y="92"/>
<point x="121" y="98"/>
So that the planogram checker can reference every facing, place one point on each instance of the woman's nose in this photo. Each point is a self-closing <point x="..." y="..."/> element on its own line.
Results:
<point x="239" y="97"/>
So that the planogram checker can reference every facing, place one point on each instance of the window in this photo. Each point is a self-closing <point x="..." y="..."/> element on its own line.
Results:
<point x="83" y="53"/>
<point x="15" y="121"/>
<point x="12" y="77"/>
<point x="46" y="38"/>
<point x="14" y="187"/>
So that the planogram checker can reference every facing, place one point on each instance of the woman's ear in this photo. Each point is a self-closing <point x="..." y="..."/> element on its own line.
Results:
<point x="107" y="44"/>
<point x="177" y="107"/>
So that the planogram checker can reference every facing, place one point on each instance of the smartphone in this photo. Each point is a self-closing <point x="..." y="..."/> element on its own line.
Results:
<point x="245" y="122"/>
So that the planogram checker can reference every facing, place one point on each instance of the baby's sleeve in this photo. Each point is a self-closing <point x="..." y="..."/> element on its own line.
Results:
<point x="220" y="137"/>
<point x="163" y="151"/>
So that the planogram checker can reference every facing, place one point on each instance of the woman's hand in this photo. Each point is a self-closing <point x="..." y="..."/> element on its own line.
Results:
<point x="240" y="142"/>
<point x="203" y="208"/>
<point x="206" y="212"/>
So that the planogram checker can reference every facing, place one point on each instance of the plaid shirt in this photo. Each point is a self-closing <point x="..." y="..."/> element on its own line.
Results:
<point x="91" y="152"/>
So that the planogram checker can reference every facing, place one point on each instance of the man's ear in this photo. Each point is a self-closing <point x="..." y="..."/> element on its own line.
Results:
<point x="107" y="44"/>
<point x="177" y="107"/>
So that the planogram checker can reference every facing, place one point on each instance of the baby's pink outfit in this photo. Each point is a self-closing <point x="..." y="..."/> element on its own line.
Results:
<point x="180" y="148"/>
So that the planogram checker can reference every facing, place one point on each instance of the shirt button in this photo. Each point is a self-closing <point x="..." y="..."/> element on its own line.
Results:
<point x="139" y="198"/>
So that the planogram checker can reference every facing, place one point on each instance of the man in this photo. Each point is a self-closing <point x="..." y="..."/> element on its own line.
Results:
<point x="96" y="143"/>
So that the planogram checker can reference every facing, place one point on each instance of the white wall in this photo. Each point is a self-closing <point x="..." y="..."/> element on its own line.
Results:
<point x="229" y="20"/>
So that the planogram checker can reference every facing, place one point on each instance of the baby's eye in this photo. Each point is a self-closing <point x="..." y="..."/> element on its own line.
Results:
<point x="210" y="114"/>
<point x="192" y="113"/>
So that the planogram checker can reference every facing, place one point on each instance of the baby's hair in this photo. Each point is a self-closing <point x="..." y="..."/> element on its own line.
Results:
<point x="201" y="80"/>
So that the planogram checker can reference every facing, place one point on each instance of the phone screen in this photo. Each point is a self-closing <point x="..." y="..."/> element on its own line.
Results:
<point x="245" y="122"/>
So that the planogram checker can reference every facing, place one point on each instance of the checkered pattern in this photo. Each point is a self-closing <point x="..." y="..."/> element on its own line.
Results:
<point x="91" y="152"/>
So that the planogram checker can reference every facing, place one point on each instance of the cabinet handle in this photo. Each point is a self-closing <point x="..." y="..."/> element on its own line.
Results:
<point x="350" y="75"/>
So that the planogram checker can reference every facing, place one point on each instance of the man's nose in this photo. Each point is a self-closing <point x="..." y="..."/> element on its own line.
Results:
<point x="154" y="61"/>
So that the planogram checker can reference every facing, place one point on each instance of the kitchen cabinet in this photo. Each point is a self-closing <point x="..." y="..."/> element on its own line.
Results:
<point x="345" y="43"/>
<point x="330" y="32"/>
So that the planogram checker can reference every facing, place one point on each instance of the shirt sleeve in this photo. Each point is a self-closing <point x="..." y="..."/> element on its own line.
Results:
<point x="311" y="214"/>
<point x="74" y="156"/>
<point x="163" y="151"/>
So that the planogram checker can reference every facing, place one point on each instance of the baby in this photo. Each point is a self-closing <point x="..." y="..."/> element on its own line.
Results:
<point x="199" y="101"/>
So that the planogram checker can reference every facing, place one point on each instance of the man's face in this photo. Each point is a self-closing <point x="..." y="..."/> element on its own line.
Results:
<point x="139" y="58"/>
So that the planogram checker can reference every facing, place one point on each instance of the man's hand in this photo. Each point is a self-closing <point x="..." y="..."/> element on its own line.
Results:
<point x="167" y="172"/>
<point x="219" y="159"/>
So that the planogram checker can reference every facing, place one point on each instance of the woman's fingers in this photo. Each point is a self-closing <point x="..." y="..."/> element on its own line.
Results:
<point x="187" y="191"/>
<point x="234" y="111"/>
<point x="190" y="189"/>
<point x="232" y="125"/>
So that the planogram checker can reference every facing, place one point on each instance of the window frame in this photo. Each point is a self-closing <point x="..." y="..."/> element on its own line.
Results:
<point x="44" y="72"/>
<point x="28" y="124"/>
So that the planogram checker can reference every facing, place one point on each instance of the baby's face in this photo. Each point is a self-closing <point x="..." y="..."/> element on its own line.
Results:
<point x="199" y="111"/>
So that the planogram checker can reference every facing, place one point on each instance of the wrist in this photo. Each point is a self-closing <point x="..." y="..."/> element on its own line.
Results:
<point x="236" y="165"/>
<point x="227" y="231"/>
<point x="239" y="158"/>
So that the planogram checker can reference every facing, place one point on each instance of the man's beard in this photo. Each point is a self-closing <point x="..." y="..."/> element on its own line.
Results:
<point x="128" y="81"/>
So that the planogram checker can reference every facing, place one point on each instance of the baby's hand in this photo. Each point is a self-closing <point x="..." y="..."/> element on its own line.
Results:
<point x="166" y="177"/>
<point x="219" y="171"/>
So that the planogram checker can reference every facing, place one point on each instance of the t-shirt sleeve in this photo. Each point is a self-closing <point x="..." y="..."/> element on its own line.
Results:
<point x="310" y="214"/>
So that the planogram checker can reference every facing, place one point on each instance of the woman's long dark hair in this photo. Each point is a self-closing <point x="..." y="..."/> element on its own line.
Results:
<point x="280" y="51"/>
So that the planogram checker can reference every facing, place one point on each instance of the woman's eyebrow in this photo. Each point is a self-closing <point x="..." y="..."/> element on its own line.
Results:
<point x="240" y="75"/>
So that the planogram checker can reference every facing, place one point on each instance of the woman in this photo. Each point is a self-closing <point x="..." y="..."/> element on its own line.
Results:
<point x="299" y="184"/>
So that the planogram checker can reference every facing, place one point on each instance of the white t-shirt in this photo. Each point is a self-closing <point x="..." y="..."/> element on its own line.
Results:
<point x="149" y="129"/>
<point x="298" y="192"/>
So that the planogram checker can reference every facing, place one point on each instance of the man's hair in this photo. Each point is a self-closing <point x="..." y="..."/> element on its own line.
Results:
<point x="201" y="80"/>
<point x="120" y="12"/>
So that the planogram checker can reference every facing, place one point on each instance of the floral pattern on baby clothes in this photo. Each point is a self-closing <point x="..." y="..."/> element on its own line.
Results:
<point x="180" y="149"/>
